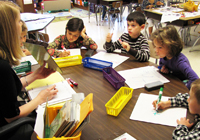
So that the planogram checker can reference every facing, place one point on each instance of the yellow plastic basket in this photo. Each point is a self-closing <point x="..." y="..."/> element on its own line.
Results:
<point x="68" y="61"/>
<point x="118" y="101"/>
<point x="53" y="111"/>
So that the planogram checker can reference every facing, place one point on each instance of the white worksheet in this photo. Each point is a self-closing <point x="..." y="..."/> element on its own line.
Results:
<point x="145" y="112"/>
<point x="29" y="58"/>
<point x="138" y="77"/>
<point x="64" y="93"/>
<point x="73" y="51"/>
<point x="116" y="59"/>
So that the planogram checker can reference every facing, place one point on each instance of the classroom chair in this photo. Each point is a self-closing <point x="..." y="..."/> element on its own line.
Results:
<point x="113" y="12"/>
<point x="152" y="51"/>
<point x="195" y="42"/>
<point x="15" y="125"/>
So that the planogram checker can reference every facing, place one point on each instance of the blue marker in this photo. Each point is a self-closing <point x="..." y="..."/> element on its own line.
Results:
<point x="159" y="97"/>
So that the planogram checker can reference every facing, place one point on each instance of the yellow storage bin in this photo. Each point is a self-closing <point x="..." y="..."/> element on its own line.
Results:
<point x="118" y="101"/>
<point x="53" y="111"/>
<point x="68" y="61"/>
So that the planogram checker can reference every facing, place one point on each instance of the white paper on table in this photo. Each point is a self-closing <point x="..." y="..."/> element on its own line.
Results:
<point x="73" y="51"/>
<point x="64" y="93"/>
<point x="138" y="77"/>
<point x="39" y="122"/>
<point x="116" y="59"/>
<point x="169" y="17"/>
<point x="145" y="112"/>
<point x="29" y="58"/>
<point x="125" y="136"/>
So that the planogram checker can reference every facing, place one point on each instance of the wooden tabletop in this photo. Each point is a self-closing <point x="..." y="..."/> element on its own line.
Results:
<point x="106" y="127"/>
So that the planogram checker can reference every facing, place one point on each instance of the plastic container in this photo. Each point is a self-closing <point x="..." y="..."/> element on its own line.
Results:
<point x="68" y="61"/>
<point x="23" y="67"/>
<point x="113" y="77"/>
<point x="53" y="111"/>
<point x="118" y="101"/>
<point x="96" y="64"/>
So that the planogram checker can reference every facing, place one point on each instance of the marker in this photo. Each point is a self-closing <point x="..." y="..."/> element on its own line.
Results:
<point x="73" y="82"/>
<point x="159" y="97"/>
<point x="69" y="82"/>
<point x="63" y="48"/>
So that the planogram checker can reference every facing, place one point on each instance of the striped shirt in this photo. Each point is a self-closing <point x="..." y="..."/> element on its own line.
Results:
<point x="182" y="132"/>
<point x="139" y="47"/>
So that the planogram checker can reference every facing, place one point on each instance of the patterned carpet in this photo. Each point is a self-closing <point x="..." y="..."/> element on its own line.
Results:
<point x="74" y="12"/>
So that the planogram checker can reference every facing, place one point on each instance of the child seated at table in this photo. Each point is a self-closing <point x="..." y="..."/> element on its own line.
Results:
<point x="185" y="130"/>
<point x="149" y="4"/>
<point x="23" y="38"/>
<point x="168" y="46"/>
<point x="132" y="42"/>
<point x="75" y="37"/>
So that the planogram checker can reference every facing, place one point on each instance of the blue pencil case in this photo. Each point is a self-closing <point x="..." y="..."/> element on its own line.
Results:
<point x="96" y="64"/>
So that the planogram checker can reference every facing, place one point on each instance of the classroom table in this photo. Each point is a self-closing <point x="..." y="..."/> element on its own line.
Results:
<point x="37" y="24"/>
<point x="106" y="127"/>
<point x="182" y="22"/>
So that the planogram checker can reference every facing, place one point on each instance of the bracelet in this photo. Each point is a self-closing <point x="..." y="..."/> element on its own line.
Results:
<point x="26" y="81"/>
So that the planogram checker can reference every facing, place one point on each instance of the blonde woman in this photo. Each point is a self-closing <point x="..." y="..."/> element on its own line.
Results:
<point x="11" y="85"/>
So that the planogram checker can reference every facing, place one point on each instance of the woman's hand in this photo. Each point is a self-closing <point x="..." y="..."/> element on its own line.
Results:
<point x="49" y="92"/>
<point x="109" y="37"/>
<point x="83" y="32"/>
<point x="42" y="72"/>
<point x="162" y="104"/>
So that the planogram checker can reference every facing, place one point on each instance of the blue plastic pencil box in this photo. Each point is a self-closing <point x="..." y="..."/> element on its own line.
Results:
<point x="96" y="64"/>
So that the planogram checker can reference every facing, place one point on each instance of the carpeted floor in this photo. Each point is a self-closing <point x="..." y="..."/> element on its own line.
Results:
<point x="74" y="12"/>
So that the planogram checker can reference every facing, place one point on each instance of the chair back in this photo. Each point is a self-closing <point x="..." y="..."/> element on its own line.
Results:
<point x="117" y="4"/>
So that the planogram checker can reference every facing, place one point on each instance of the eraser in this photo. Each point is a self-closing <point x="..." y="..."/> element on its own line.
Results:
<point x="153" y="85"/>
<point x="89" y="53"/>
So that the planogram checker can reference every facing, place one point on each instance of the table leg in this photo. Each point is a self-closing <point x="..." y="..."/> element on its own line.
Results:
<point x="89" y="11"/>
<point x="96" y="8"/>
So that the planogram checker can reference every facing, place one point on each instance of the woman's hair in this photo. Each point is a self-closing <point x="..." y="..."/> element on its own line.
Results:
<point x="195" y="87"/>
<point x="24" y="27"/>
<point x="9" y="39"/>
<point x="169" y="36"/>
<point x="75" y="24"/>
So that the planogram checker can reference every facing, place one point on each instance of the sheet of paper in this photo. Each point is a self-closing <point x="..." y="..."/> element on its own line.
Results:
<point x="125" y="136"/>
<point x="27" y="2"/>
<point x="51" y="79"/>
<point x="144" y="111"/>
<point x="29" y="58"/>
<point x="138" y="77"/>
<point x="116" y="59"/>
<point x="73" y="51"/>
<point x="39" y="122"/>
<point x="64" y="93"/>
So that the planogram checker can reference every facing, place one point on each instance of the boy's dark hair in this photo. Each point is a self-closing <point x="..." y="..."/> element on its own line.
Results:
<point x="75" y="24"/>
<point x="195" y="88"/>
<point x="136" y="16"/>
